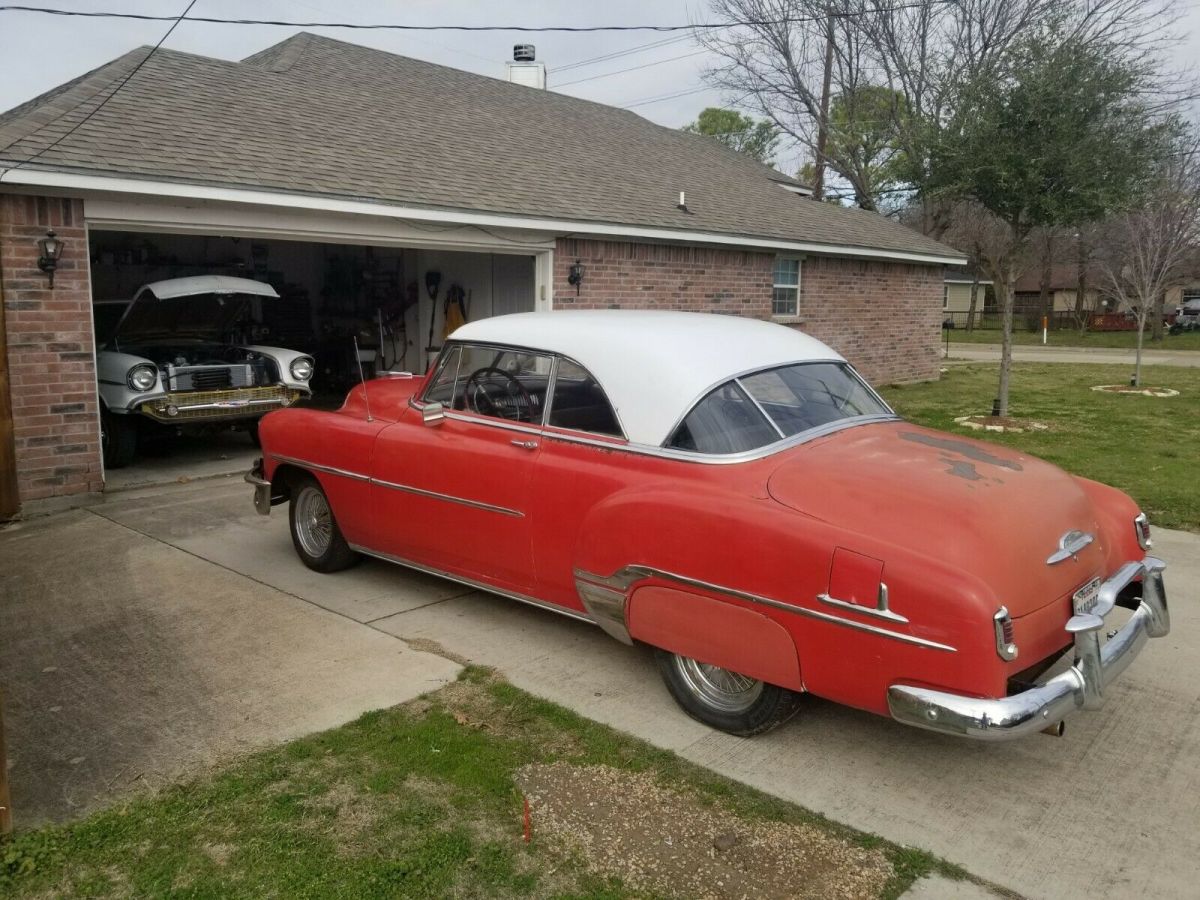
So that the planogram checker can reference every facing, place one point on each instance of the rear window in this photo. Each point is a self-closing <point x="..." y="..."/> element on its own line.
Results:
<point x="755" y="410"/>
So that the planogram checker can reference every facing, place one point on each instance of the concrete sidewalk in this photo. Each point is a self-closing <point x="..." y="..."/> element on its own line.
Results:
<point x="1110" y="810"/>
<point x="1098" y="355"/>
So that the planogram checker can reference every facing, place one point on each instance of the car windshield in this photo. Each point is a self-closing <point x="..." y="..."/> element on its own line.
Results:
<point x="755" y="410"/>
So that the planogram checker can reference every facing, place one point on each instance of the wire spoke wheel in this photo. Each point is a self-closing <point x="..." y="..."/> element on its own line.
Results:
<point x="721" y="689"/>
<point x="314" y="521"/>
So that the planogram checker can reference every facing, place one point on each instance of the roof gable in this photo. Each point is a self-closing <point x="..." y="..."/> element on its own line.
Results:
<point x="319" y="116"/>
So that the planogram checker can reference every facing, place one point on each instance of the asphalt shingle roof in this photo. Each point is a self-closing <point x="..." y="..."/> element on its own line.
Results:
<point x="318" y="116"/>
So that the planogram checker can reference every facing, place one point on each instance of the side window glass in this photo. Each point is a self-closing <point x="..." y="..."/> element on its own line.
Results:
<point x="493" y="381"/>
<point x="441" y="389"/>
<point x="580" y="403"/>
<point x="726" y="421"/>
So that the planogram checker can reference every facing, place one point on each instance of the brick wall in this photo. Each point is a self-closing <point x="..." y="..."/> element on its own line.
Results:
<point x="50" y="350"/>
<point x="884" y="317"/>
<point x="663" y="276"/>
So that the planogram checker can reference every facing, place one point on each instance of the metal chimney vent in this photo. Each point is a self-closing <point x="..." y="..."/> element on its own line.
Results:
<point x="524" y="53"/>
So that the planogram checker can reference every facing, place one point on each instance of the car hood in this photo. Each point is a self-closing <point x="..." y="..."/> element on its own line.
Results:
<point x="202" y="307"/>
<point x="984" y="509"/>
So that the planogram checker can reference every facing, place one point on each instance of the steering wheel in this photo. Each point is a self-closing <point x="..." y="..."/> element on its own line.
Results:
<point x="510" y="400"/>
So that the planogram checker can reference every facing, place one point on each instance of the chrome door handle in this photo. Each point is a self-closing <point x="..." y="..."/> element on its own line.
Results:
<point x="527" y="445"/>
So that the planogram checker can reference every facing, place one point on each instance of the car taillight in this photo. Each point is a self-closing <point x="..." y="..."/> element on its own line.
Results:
<point x="1005" y="647"/>
<point x="1141" y="526"/>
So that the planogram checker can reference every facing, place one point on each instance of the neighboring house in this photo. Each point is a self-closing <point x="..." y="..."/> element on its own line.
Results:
<point x="956" y="297"/>
<point x="1063" y="286"/>
<point x="366" y="185"/>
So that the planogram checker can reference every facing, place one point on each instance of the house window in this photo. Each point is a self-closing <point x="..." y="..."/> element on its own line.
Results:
<point x="945" y="296"/>
<point x="785" y="293"/>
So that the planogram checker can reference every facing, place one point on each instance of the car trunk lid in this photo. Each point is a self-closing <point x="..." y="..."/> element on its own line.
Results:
<point x="982" y="508"/>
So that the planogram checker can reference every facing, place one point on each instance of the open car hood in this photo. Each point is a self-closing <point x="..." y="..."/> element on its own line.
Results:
<point x="200" y="306"/>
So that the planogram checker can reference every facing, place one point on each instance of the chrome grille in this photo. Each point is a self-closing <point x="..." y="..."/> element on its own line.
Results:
<point x="228" y="405"/>
<point x="209" y="378"/>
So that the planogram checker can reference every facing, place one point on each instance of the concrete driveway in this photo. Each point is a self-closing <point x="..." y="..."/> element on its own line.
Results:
<point x="129" y="663"/>
<point x="1110" y="810"/>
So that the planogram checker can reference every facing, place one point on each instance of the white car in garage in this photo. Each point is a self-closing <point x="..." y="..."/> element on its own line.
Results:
<point x="177" y="360"/>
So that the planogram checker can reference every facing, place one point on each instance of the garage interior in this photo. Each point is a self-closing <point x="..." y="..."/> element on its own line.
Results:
<point x="395" y="301"/>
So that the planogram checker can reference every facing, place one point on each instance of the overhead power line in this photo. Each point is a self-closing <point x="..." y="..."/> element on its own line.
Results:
<point x="175" y="20"/>
<point x="657" y="62"/>
<point x="395" y="26"/>
<point x="628" y="51"/>
<point x="644" y="102"/>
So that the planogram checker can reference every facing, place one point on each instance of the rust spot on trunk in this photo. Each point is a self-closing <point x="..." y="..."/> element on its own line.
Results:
<point x="962" y="448"/>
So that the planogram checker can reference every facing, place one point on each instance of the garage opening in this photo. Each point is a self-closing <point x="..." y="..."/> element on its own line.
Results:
<point x="396" y="303"/>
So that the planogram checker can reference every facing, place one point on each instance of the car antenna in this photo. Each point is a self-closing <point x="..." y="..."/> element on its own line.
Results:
<point x="363" y="378"/>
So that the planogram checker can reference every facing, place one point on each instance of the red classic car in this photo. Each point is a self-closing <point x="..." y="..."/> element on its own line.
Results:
<point x="732" y="494"/>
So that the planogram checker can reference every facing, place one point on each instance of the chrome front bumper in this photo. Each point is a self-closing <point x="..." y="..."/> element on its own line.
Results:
<point x="262" y="488"/>
<point x="1079" y="687"/>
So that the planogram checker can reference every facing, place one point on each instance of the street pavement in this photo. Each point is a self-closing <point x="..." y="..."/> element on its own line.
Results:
<point x="1110" y="810"/>
<point x="1035" y="353"/>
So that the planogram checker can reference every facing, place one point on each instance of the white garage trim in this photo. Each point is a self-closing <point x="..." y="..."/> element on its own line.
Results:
<point x="232" y="220"/>
<point x="176" y="190"/>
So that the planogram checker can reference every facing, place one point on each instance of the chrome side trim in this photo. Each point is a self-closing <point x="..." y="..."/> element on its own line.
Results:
<point x="503" y="424"/>
<point x="408" y="489"/>
<point x="1069" y="546"/>
<point x="471" y="582"/>
<point x="879" y="612"/>
<point x="624" y="578"/>
<point x="1081" y="686"/>
<point x="449" y="498"/>
<point x="317" y="467"/>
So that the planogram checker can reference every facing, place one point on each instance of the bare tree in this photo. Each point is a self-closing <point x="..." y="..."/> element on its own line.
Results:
<point x="984" y="238"/>
<point x="772" y="58"/>
<point x="1149" y="249"/>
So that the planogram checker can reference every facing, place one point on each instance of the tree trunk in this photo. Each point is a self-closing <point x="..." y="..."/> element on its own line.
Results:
<point x="1137" y="365"/>
<point x="1156" y="324"/>
<point x="1006" y="318"/>
<point x="1081" y="319"/>
<point x="974" y="303"/>
<point x="1044" y="301"/>
<point x="823" y="125"/>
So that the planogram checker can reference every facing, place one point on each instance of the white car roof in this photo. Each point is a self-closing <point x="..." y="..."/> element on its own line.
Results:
<point x="171" y="288"/>
<point x="653" y="365"/>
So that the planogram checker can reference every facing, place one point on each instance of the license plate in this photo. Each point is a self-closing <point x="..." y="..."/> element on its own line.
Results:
<point x="1085" y="599"/>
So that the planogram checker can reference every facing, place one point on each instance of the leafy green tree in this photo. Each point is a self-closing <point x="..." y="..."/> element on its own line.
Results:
<point x="1062" y="136"/>
<point x="754" y="137"/>
<point x="863" y="144"/>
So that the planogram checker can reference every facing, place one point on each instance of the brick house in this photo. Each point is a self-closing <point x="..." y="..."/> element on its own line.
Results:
<point x="346" y="175"/>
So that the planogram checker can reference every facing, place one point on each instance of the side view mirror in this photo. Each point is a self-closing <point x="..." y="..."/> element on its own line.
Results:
<point x="433" y="413"/>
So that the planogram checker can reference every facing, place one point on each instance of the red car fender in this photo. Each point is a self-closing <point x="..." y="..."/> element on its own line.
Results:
<point x="715" y="632"/>
<point x="1115" y="512"/>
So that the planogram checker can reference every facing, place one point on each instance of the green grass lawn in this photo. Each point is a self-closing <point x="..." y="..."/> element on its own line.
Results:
<point x="417" y="801"/>
<point x="1145" y="446"/>
<point x="1125" y="340"/>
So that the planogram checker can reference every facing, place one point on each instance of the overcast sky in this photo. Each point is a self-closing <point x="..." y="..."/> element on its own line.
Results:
<point x="38" y="52"/>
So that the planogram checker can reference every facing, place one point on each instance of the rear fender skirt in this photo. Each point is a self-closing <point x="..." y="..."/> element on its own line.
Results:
<point x="715" y="632"/>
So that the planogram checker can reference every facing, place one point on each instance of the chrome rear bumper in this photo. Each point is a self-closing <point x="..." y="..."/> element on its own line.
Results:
<point x="1079" y="687"/>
